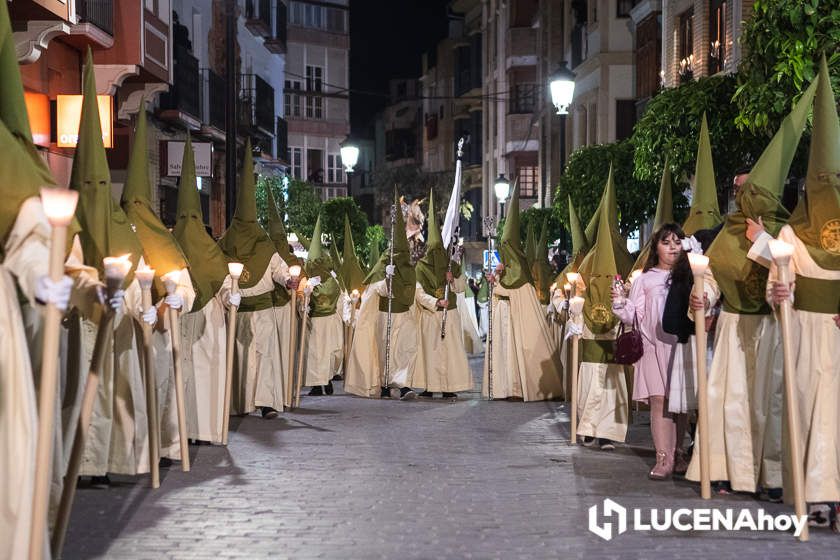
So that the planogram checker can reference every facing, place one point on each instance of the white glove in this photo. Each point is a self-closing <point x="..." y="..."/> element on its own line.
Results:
<point x="150" y="315"/>
<point x="573" y="329"/>
<point x="312" y="282"/>
<point x="691" y="245"/>
<point x="174" y="301"/>
<point x="116" y="300"/>
<point x="333" y="274"/>
<point x="564" y="305"/>
<point x="234" y="299"/>
<point x="56" y="293"/>
<point x="390" y="270"/>
<point x="549" y="309"/>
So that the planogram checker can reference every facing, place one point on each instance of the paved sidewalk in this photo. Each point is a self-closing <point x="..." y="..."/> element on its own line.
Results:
<point x="346" y="477"/>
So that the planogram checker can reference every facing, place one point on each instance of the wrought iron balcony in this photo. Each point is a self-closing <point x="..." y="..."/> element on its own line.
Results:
<point x="98" y="12"/>
<point x="258" y="17"/>
<point x="185" y="94"/>
<point x="256" y="104"/>
<point x="213" y="99"/>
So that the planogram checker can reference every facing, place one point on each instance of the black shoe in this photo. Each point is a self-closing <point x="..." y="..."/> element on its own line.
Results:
<point x="606" y="445"/>
<point x="316" y="391"/>
<point x="406" y="394"/>
<point x="385" y="393"/>
<point x="426" y="395"/>
<point x="451" y="396"/>
<point x="721" y="487"/>
<point x="588" y="441"/>
<point x="101" y="482"/>
<point x="269" y="413"/>
<point x="328" y="388"/>
<point x="773" y="495"/>
<point x="337" y="377"/>
<point x="165" y="462"/>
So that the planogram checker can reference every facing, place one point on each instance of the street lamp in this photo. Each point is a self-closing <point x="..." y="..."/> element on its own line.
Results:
<point x="562" y="87"/>
<point x="349" y="157"/>
<point x="502" y="190"/>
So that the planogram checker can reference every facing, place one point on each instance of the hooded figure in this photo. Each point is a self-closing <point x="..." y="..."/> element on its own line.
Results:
<point x="540" y="269"/>
<point x="746" y="373"/>
<point x="664" y="214"/>
<point x="351" y="272"/>
<point x="366" y="370"/>
<point x="162" y="253"/>
<point x="525" y="360"/>
<point x="203" y="326"/>
<point x="814" y="232"/>
<point x="441" y="363"/>
<point x="326" y="338"/>
<point x="260" y="368"/>
<point x="530" y="244"/>
<point x="704" y="212"/>
<point x="602" y="386"/>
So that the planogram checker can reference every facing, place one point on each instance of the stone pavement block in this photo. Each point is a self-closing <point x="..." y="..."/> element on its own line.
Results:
<point x="345" y="477"/>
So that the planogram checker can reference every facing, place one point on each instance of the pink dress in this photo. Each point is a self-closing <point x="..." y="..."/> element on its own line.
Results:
<point x="661" y="369"/>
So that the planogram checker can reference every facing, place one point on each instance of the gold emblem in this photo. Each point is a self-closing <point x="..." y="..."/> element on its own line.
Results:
<point x="830" y="237"/>
<point x="439" y="293"/>
<point x="755" y="283"/>
<point x="246" y="275"/>
<point x="600" y="314"/>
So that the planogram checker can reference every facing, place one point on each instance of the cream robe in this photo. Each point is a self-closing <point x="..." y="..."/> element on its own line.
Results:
<point x="744" y="395"/>
<point x="441" y="364"/>
<point x="525" y="359"/>
<point x="204" y="358"/>
<point x="325" y="348"/>
<point x="366" y="370"/>
<point x="260" y="366"/>
<point x="816" y="346"/>
<point x="469" y="322"/>
<point x="26" y="259"/>
<point x="603" y="402"/>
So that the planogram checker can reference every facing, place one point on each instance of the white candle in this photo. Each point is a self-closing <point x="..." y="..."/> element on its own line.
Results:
<point x="699" y="263"/>
<point x="145" y="275"/>
<point x="59" y="205"/>
<point x="235" y="270"/>
<point x="576" y="305"/>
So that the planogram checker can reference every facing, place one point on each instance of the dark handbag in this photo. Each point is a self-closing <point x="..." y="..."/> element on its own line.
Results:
<point x="628" y="345"/>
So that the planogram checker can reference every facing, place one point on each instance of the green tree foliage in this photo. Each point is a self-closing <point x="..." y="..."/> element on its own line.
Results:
<point x="374" y="234"/>
<point x="265" y="184"/>
<point x="584" y="180"/>
<point x="334" y="211"/>
<point x="782" y="44"/>
<point x="670" y="127"/>
<point x="556" y="229"/>
<point x="302" y="207"/>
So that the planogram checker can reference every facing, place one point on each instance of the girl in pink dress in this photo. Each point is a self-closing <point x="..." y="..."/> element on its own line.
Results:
<point x="661" y="373"/>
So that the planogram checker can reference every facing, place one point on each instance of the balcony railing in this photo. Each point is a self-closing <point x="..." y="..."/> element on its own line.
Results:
<point x="524" y="99"/>
<point x="213" y="99"/>
<point x="277" y="43"/>
<point x="256" y="104"/>
<point x="98" y="12"/>
<point x="258" y="17"/>
<point x="184" y="95"/>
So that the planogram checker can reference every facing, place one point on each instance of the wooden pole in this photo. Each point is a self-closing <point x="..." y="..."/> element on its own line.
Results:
<point x="292" y="350"/>
<point x="698" y="266"/>
<point x="47" y="399"/>
<point x="104" y="335"/>
<point x="175" y="336"/>
<point x="575" y="309"/>
<point x="229" y="355"/>
<point x="795" y="449"/>
<point x="145" y="277"/>
<point x="301" y="368"/>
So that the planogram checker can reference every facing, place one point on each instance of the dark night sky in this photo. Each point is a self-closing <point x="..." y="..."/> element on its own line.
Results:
<point x="387" y="38"/>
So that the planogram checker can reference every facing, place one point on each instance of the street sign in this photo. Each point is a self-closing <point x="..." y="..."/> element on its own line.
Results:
<point x="491" y="261"/>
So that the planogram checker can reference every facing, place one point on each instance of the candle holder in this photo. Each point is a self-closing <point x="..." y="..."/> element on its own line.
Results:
<point x="235" y="271"/>
<point x="294" y="272"/>
<point x="575" y="309"/>
<point x="170" y="282"/>
<point x="145" y="276"/>
<point x="699" y="264"/>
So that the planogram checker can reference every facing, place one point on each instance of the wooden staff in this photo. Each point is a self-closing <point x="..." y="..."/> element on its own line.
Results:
<point x="170" y="282"/>
<point x="59" y="206"/>
<point x="294" y="271"/>
<point x="235" y="270"/>
<point x="782" y="252"/>
<point x="301" y="367"/>
<point x="145" y="276"/>
<point x="699" y="263"/>
<point x="575" y="309"/>
<point x="116" y="269"/>
<point x="349" y="331"/>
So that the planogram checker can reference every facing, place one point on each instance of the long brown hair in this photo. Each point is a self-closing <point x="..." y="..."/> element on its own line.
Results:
<point x="681" y="271"/>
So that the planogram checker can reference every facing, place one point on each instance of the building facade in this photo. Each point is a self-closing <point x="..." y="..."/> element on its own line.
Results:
<point x="316" y="102"/>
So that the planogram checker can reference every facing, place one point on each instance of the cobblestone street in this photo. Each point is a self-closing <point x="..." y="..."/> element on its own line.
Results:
<point x="345" y="477"/>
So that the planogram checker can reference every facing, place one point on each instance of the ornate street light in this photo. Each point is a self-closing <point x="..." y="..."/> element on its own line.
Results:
<point x="349" y="156"/>
<point x="562" y="87"/>
<point x="502" y="190"/>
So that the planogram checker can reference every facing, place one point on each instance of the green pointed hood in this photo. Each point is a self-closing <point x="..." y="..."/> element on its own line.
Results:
<point x="277" y="231"/>
<point x="208" y="265"/>
<point x="318" y="263"/>
<point x="160" y="250"/>
<point x="517" y="270"/>
<point x="431" y="269"/>
<point x="541" y="271"/>
<point x="704" y="212"/>
<point x="405" y="278"/>
<point x="245" y="240"/>
<point x="741" y="280"/>
<point x="335" y="258"/>
<point x="373" y="254"/>
<point x="599" y="269"/>
<point x="664" y="213"/>
<point x="816" y="219"/>
<point x="105" y="229"/>
<point x="580" y="245"/>
<point x="530" y="243"/>
<point x="351" y="271"/>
